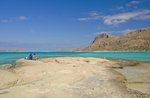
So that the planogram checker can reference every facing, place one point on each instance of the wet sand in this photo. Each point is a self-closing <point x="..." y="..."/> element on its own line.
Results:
<point x="66" y="77"/>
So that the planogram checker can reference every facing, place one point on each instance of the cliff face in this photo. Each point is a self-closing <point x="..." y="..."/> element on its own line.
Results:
<point x="138" y="40"/>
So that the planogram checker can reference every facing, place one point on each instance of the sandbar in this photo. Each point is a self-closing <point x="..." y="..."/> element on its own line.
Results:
<point x="66" y="77"/>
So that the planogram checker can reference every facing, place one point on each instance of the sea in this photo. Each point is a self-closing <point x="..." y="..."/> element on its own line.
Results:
<point x="11" y="57"/>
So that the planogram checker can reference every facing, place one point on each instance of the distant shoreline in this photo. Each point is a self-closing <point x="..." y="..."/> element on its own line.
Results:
<point x="64" y="51"/>
<point x="14" y="51"/>
<point x="112" y="51"/>
<point x="104" y="51"/>
<point x="24" y="51"/>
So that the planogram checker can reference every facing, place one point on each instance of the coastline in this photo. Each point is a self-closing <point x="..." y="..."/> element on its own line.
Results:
<point x="68" y="77"/>
<point x="112" y="51"/>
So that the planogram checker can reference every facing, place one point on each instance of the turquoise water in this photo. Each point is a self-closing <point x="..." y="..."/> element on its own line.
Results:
<point x="11" y="57"/>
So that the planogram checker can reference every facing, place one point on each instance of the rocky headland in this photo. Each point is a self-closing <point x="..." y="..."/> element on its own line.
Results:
<point x="138" y="40"/>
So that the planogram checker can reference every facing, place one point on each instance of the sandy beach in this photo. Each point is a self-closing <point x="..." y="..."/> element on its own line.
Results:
<point x="67" y="77"/>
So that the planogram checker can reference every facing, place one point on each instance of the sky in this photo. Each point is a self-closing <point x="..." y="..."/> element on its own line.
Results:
<point x="48" y="25"/>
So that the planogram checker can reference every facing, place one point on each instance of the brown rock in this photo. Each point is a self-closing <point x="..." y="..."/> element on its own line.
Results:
<point x="138" y="40"/>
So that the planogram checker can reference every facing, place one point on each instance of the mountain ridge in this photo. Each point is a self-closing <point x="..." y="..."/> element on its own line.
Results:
<point x="138" y="40"/>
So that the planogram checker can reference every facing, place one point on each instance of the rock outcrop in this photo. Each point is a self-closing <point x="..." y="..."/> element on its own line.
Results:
<point x="138" y="40"/>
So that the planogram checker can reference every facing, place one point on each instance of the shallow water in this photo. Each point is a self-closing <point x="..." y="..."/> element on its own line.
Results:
<point x="11" y="57"/>
<point x="138" y="77"/>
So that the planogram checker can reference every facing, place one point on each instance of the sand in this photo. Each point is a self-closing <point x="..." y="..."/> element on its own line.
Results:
<point x="65" y="77"/>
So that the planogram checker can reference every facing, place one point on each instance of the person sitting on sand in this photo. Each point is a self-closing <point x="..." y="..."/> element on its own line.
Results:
<point x="35" y="57"/>
<point x="30" y="57"/>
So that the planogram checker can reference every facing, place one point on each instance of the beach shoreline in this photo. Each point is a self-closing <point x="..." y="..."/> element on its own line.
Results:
<point x="137" y="76"/>
<point x="66" y="77"/>
<point x="103" y="51"/>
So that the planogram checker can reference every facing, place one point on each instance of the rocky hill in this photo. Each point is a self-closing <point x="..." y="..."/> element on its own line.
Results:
<point x="14" y="51"/>
<point x="138" y="40"/>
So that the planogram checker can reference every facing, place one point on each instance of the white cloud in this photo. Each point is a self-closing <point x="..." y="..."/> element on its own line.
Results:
<point x="93" y="13"/>
<point x="22" y="18"/>
<point x="13" y="19"/>
<point x="114" y="32"/>
<point x="92" y="16"/>
<point x="143" y="17"/>
<point x="126" y="30"/>
<point x="120" y="7"/>
<point x="98" y="33"/>
<point x="124" y="17"/>
<point x="89" y="18"/>
<point x="83" y="19"/>
<point x="132" y="3"/>
<point x="126" y="6"/>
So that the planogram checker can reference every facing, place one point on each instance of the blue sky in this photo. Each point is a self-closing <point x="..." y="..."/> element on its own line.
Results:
<point x="48" y="25"/>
